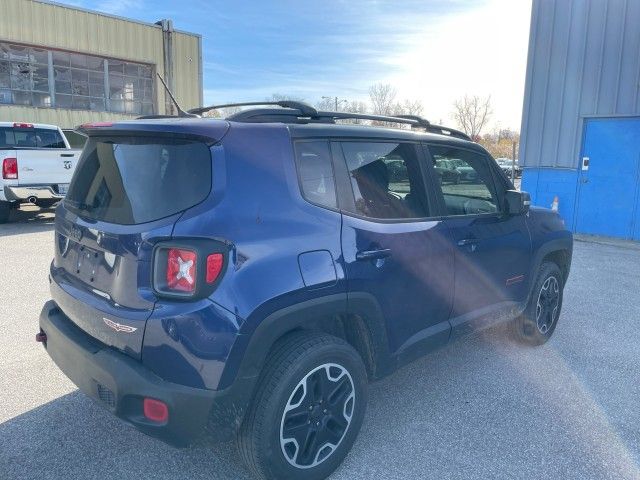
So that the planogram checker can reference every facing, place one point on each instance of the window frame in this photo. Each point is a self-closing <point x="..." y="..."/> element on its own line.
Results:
<point x="344" y="187"/>
<point x="294" y="144"/>
<point x="437" y="189"/>
<point x="59" y="60"/>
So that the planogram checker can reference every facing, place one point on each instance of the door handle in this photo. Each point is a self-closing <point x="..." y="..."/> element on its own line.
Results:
<point x="373" y="254"/>
<point x="467" y="241"/>
<point x="67" y="154"/>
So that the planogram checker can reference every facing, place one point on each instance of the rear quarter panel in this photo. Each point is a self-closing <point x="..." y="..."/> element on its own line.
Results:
<point x="257" y="208"/>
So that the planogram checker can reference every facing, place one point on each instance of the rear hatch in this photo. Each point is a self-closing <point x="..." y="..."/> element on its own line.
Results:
<point x="42" y="155"/>
<point x="128" y="191"/>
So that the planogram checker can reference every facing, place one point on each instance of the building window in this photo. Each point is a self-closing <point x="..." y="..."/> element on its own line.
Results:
<point x="42" y="78"/>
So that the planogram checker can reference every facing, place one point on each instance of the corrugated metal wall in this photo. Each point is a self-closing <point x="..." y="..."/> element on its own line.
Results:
<point x="584" y="60"/>
<point x="49" y="25"/>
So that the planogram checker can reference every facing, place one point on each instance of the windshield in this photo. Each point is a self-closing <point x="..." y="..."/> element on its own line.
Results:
<point x="131" y="180"/>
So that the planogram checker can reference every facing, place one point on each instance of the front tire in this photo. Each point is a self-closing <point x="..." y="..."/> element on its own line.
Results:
<point x="308" y="409"/>
<point x="538" y="321"/>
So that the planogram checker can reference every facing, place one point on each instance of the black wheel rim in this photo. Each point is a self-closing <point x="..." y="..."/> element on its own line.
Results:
<point x="548" y="305"/>
<point x="317" y="415"/>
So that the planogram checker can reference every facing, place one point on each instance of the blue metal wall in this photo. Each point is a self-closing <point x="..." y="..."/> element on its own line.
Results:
<point x="583" y="61"/>
<point x="582" y="93"/>
<point x="602" y="197"/>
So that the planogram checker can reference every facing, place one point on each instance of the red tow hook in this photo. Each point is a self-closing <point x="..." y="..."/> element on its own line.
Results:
<point x="41" y="337"/>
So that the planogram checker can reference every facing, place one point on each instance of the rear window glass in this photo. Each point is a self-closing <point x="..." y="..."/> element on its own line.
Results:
<point x="316" y="173"/>
<point x="139" y="179"/>
<point x="30" y="138"/>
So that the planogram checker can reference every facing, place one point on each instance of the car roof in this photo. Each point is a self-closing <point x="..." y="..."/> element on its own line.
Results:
<point x="35" y="125"/>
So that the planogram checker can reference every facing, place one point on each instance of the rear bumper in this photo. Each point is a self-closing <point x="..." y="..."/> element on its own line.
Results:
<point x="120" y="383"/>
<point x="24" y="192"/>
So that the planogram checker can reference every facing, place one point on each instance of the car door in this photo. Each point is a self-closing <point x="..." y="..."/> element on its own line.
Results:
<point x="394" y="252"/>
<point x="492" y="248"/>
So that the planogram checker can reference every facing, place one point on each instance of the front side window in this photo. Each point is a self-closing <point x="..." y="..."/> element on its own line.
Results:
<point x="386" y="180"/>
<point x="466" y="181"/>
<point x="316" y="173"/>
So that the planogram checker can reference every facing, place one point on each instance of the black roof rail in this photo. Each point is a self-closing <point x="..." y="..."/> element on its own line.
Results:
<point x="296" y="116"/>
<point x="430" y="127"/>
<point x="304" y="108"/>
<point x="293" y="111"/>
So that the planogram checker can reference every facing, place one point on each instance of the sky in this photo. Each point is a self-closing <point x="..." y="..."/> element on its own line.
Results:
<point x="434" y="51"/>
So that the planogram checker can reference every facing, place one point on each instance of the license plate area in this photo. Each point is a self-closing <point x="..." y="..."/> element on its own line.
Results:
<point x="87" y="262"/>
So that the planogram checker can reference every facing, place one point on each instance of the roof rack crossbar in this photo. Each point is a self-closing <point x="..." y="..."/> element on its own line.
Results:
<point x="430" y="127"/>
<point x="305" y="109"/>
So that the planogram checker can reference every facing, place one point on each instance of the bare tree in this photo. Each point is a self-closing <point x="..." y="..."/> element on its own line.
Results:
<point x="472" y="114"/>
<point x="278" y="97"/>
<point x="326" y="104"/>
<point x="409" y="107"/>
<point x="222" y="112"/>
<point x="383" y="98"/>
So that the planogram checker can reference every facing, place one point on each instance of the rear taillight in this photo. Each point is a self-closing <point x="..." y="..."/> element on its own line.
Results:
<point x="214" y="266"/>
<point x="10" y="168"/>
<point x="181" y="270"/>
<point x="189" y="268"/>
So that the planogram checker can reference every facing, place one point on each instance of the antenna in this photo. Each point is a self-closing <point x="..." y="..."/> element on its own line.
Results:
<point x="181" y="112"/>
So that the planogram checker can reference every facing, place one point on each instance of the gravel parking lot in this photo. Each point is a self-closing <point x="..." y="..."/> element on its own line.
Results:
<point x="480" y="408"/>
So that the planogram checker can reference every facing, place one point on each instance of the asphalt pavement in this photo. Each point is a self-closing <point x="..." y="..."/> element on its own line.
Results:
<point x="480" y="408"/>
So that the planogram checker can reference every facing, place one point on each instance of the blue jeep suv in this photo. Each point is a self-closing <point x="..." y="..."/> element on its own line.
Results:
<point x="244" y="278"/>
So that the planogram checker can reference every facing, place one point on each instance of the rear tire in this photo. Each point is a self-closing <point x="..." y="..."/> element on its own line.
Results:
<point x="539" y="319"/>
<point x="307" y="411"/>
<point x="5" y="211"/>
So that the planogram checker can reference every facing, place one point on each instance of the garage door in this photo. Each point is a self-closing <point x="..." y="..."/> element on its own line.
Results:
<point x="609" y="181"/>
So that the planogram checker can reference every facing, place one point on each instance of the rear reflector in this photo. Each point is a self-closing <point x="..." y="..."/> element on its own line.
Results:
<point x="23" y="125"/>
<point x="155" y="410"/>
<point x="10" y="168"/>
<point x="181" y="270"/>
<point x="214" y="266"/>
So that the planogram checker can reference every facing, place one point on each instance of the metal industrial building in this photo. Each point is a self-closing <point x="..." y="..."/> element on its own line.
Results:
<point x="581" y="119"/>
<point x="67" y="66"/>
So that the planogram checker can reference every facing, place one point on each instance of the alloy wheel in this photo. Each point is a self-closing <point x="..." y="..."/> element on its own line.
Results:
<point x="548" y="304"/>
<point x="317" y="415"/>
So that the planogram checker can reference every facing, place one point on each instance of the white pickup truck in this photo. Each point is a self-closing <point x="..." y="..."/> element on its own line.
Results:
<point x="37" y="164"/>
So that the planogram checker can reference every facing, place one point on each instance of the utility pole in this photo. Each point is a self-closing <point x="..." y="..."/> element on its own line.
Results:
<point x="513" y="162"/>
<point x="336" y="100"/>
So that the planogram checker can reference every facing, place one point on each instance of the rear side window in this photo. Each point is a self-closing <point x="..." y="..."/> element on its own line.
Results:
<point x="131" y="180"/>
<point x="386" y="180"/>
<point x="316" y="173"/>
<point x="30" y="138"/>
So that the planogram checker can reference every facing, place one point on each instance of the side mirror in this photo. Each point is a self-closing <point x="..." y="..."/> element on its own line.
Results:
<point x="517" y="203"/>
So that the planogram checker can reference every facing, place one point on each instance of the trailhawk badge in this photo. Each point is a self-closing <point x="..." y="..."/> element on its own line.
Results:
<point x="118" y="327"/>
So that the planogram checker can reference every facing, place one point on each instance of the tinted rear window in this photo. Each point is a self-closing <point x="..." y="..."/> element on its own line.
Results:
<point x="30" y="138"/>
<point x="139" y="179"/>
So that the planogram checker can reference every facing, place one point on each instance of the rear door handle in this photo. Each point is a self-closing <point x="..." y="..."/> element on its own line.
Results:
<point x="67" y="154"/>
<point x="373" y="254"/>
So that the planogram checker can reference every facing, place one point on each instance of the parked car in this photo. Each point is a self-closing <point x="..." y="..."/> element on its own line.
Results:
<point x="246" y="278"/>
<point x="37" y="165"/>
<point x="506" y="164"/>
<point x="446" y="171"/>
